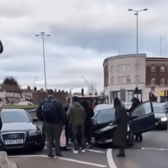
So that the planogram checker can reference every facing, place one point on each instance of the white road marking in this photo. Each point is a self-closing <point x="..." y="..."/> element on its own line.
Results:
<point x="110" y="159"/>
<point x="82" y="162"/>
<point x="96" y="151"/>
<point x="155" y="148"/>
<point x="61" y="158"/>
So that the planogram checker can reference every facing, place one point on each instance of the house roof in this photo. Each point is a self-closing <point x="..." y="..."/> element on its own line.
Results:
<point x="9" y="88"/>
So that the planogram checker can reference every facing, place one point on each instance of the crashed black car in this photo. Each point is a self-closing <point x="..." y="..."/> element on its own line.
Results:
<point x="19" y="131"/>
<point x="141" y="120"/>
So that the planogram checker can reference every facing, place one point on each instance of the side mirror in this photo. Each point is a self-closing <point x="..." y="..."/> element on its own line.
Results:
<point x="35" y="119"/>
<point x="133" y="117"/>
<point x="111" y="124"/>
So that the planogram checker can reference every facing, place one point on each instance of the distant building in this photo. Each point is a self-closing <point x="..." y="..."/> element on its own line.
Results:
<point x="123" y="73"/>
<point x="10" y="94"/>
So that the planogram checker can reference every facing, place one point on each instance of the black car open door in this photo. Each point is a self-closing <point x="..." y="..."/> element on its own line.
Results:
<point x="142" y="118"/>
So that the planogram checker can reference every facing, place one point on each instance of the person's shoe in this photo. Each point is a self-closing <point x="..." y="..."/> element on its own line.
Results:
<point x="83" y="151"/>
<point x="75" y="151"/>
<point x="51" y="156"/>
<point x="59" y="155"/>
<point x="121" y="155"/>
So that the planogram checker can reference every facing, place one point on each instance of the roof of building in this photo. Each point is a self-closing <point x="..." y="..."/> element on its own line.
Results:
<point x="9" y="88"/>
<point x="123" y="56"/>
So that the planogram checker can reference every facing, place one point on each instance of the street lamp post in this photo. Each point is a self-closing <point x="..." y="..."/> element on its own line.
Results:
<point x="34" y="82"/>
<point x="137" y="13"/>
<point x="42" y="35"/>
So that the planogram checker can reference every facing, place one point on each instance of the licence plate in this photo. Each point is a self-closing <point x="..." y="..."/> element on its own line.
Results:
<point x="16" y="141"/>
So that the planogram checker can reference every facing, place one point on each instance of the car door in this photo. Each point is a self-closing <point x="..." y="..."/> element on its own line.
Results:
<point x="104" y="118"/>
<point x="144" y="119"/>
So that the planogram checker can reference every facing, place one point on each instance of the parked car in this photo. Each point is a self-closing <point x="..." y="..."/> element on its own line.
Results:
<point x="141" y="120"/>
<point x="25" y="103"/>
<point x="161" y="111"/>
<point x="19" y="131"/>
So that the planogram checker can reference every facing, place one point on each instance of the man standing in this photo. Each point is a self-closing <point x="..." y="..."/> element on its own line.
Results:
<point x="76" y="115"/>
<point x="51" y="113"/>
<point x="88" y="122"/>
<point x="121" y="120"/>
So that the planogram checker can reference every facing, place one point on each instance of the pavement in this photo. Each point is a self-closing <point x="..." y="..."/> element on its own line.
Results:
<point x="151" y="153"/>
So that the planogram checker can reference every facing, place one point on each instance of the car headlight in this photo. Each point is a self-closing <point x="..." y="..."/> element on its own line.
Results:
<point x="34" y="133"/>
<point x="163" y="119"/>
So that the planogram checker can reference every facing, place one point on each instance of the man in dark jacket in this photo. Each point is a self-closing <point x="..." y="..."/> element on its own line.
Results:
<point x="88" y="122"/>
<point x="121" y="120"/>
<point x="51" y="113"/>
<point x="76" y="115"/>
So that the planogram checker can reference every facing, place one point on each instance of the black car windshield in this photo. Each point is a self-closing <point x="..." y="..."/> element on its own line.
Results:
<point x="9" y="117"/>
<point x="106" y="115"/>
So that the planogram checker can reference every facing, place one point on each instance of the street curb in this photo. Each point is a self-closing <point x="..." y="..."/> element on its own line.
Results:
<point x="5" y="162"/>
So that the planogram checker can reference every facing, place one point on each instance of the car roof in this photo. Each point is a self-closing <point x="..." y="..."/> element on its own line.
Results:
<point x="103" y="106"/>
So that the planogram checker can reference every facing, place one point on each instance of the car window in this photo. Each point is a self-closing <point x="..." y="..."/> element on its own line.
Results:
<point x="142" y="110"/>
<point x="9" y="117"/>
<point x="106" y="115"/>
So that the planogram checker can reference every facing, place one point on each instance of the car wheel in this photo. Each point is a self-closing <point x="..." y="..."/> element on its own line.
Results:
<point x="130" y="139"/>
<point x="40" y="146"/>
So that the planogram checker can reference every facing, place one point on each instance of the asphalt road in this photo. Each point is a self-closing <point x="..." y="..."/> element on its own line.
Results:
<point x="151" y="153"/>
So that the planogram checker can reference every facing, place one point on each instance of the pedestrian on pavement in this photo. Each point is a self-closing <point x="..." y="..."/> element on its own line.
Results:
<point x="135" y="103"/>
<point x="88" y="122"/>
<point x="1" y="107"/>
<point x="50" y="111"/>
<point x="76" y="115"/>
<point x="121" y="120"/>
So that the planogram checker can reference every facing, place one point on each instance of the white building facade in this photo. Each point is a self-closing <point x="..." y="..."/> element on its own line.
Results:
<point x="123" y="73"/>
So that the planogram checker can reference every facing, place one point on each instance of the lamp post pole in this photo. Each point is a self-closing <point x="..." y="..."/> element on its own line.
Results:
<point x="43" y="34"/>
<point x="137" y="13"/>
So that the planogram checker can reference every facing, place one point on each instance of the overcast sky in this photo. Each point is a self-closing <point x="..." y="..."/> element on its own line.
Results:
<point x="83" y="33"/>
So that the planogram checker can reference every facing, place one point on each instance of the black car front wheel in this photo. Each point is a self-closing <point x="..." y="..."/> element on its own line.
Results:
<point x="130" y="140"/>
<point x="41" y="144"/>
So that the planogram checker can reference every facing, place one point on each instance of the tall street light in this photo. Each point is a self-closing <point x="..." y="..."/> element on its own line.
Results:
<point x="137" y="13"/>
<point x="42" y="35"/>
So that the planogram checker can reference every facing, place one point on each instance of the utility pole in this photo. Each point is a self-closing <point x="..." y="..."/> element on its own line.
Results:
<point x="42" y="35"/>
<point x="161" y="39"/>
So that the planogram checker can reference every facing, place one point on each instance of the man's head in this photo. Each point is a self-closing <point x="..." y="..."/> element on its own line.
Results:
<point x="75" y="99"/>
<point x="50" y="92"/>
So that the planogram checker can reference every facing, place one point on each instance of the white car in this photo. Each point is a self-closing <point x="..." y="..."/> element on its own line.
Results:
<point x="25" y="103"/>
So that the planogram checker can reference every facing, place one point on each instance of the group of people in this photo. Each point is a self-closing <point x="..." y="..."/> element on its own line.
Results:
<point x="76" y="118"/>
<point x="78" y="123"/>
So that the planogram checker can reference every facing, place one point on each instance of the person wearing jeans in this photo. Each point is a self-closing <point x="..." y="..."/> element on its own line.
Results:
<point x="76" y="115"/>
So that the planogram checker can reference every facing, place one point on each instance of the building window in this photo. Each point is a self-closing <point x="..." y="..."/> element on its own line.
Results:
<point x="137" y="78"/>
<point x="137" y="67"/>
<point x="124" y="68"/>
<point x="121" y="79"/>
<point x="162" y="69"/>
<point x="129" y="95"/>
<point x="153" y="69"/>
<point x="128" y="79"/>
<point x="162" y="81"/>
<point x="153" y="81"/>
<point x="112" y="80"/>
<point x="112" y="69"/>
<point x="128" y="67"/>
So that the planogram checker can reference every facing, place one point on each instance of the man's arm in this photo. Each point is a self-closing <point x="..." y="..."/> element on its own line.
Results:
<point x="62" y="114"/>
<point x="39" y="112"/>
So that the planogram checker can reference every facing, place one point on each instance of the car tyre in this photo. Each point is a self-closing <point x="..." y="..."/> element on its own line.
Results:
<point x="130" y="139"/>
<point x="40" y="146"/>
